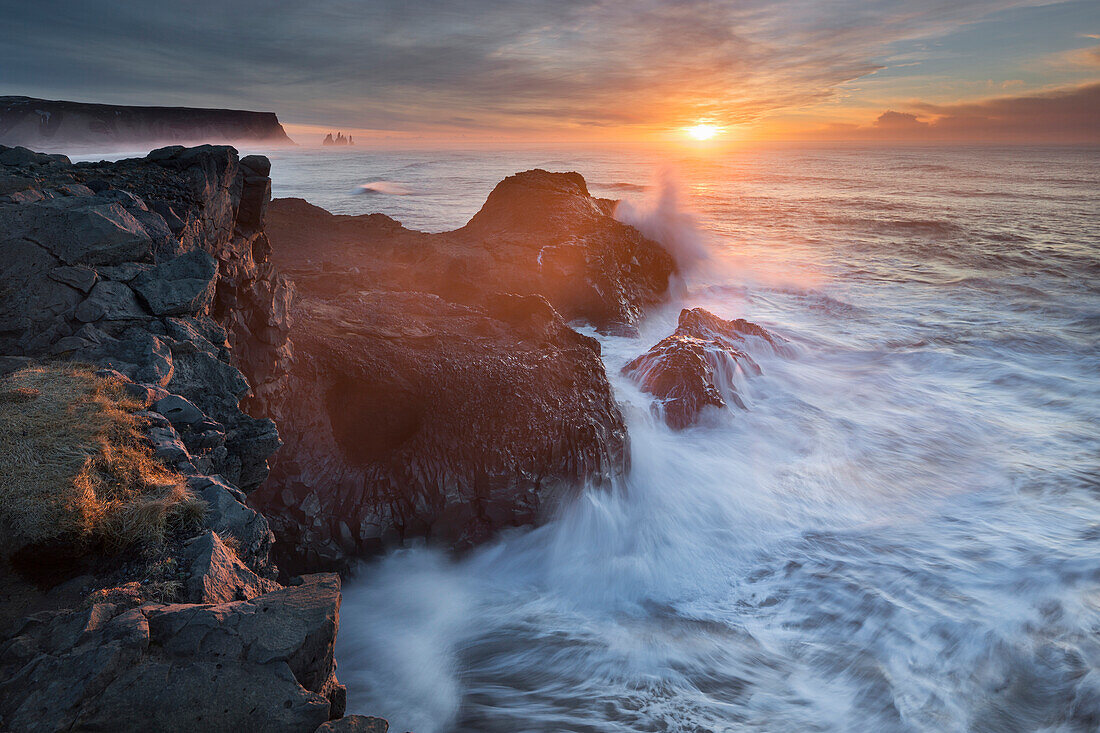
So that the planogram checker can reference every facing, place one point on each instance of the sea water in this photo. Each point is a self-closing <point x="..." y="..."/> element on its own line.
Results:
<point x="900" y="533"/>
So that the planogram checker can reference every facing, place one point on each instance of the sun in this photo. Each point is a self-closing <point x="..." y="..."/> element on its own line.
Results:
<point x="702" y="131"/>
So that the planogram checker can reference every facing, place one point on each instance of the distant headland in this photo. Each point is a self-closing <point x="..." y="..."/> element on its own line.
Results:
<point x="338" y="140"/>
<point x="51" y="125"/>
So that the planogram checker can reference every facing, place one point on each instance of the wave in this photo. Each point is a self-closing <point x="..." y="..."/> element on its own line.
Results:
<point x="387" y="188"/>
<point x="622" y="186"/>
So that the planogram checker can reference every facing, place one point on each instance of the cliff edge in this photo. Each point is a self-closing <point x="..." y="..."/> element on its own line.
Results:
<point x="138" y="307"/>
<point x="52" y="125"/>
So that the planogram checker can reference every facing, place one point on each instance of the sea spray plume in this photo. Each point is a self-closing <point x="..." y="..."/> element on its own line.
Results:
<point x="662" y="218"/>
<point x="413" y="611"/>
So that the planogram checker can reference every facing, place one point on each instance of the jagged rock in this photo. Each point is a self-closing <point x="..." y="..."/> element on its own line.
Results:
<point x="180" y="286"/>
<point x="78" y="230"/>
<point x="257" y="665"/>
<point x="256" y="165"/>
<point x="31" y="302"/>
<point x="230" y="516"/>
<point x="218" y="306"/>
<point x="698" y="366"/>
<point x="81" y="278"/>
<point x="110" y="301"/>
<point x="538" y="233"/>
<point x="355" y="724"/>
<point x="408" y="416"/>
<point x="178" y="410"/>
<point x="218" y="575"/>
<point x="166" y="442"/>
<point x="125" y="272"/>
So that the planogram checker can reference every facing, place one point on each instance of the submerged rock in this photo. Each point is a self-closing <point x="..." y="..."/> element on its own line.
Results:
<point x="698" y="366"/>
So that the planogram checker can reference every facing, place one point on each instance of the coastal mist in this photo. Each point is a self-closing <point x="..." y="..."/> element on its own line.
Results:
<point x="899" y="531"/>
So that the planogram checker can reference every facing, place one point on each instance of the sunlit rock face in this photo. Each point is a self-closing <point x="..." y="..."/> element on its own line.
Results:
<point x="408" y="416"/>
<point x="588" y="265"/>
<point x="699" y="365"/>
<point x="435" y="389"/>
<point x="538" y="233"/>
<point x="156" y="270"/>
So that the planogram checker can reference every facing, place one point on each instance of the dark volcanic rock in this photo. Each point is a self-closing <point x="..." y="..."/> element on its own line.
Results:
<point x="355" y="724"/>
<point x="157" y="270"/>
<point x="260" y="665"/>
<point x="409" y="416"/>
<point x="587" y="264"/>
<point x="698" y="365"/>
<point x="45" y="123"/>
<point x="424" y="402"/>
<point x="218" y="575"/>
<point x="94" y="273"/>
<point x="538" y="233"/>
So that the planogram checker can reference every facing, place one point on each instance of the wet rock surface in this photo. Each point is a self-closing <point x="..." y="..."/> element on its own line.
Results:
<point x="409" y="416"/>
<point x="700" y="365"/>
<point x="538" y="233"/>
<point x="435" y="389"/>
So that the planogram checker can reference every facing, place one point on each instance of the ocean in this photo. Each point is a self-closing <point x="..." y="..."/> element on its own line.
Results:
<point x="900" y="533"/>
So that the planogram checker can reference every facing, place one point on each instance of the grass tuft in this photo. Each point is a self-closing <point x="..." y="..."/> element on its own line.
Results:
<point x="74" y="463"/>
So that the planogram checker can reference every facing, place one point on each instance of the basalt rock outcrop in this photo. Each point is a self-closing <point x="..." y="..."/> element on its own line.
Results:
<point x="700" y="365"/>
<point x="435" y="389"/>
<point x="410" y="416"/>
<point x="264" y="664"/>
<point x="156" y="270"/>
<point x="50" y="124"/>
<point x="538" y="233"/>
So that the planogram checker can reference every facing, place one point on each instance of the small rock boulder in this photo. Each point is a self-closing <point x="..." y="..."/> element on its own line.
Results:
<point x="178" y="410"/>
<point x="699" y="365"/>
<point x="218" y="575"/>
<point x="110" y="301"/>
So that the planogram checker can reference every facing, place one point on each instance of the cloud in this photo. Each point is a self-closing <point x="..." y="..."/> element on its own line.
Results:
<point x="891" y="120"/>
<point x="1060" y="116"/>
<point x="479" y="64"/>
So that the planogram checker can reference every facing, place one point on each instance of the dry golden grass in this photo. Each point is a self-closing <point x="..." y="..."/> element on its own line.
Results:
<point x="73" y="464"/>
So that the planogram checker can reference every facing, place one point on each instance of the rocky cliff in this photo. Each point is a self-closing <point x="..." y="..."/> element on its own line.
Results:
<point x="425" y="386"/>
<point x="155" y="271"/>
<point x="56" y="125"/>
<point x="435" y="388"/>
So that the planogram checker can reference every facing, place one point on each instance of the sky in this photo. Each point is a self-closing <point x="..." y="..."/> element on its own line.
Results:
<point x="581" y="70"/>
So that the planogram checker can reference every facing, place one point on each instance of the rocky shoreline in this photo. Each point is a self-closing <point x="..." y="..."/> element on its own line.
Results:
<point x="156" y="271"/>
<point x="435" y="389"/>
<point x="421" y="387"/>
